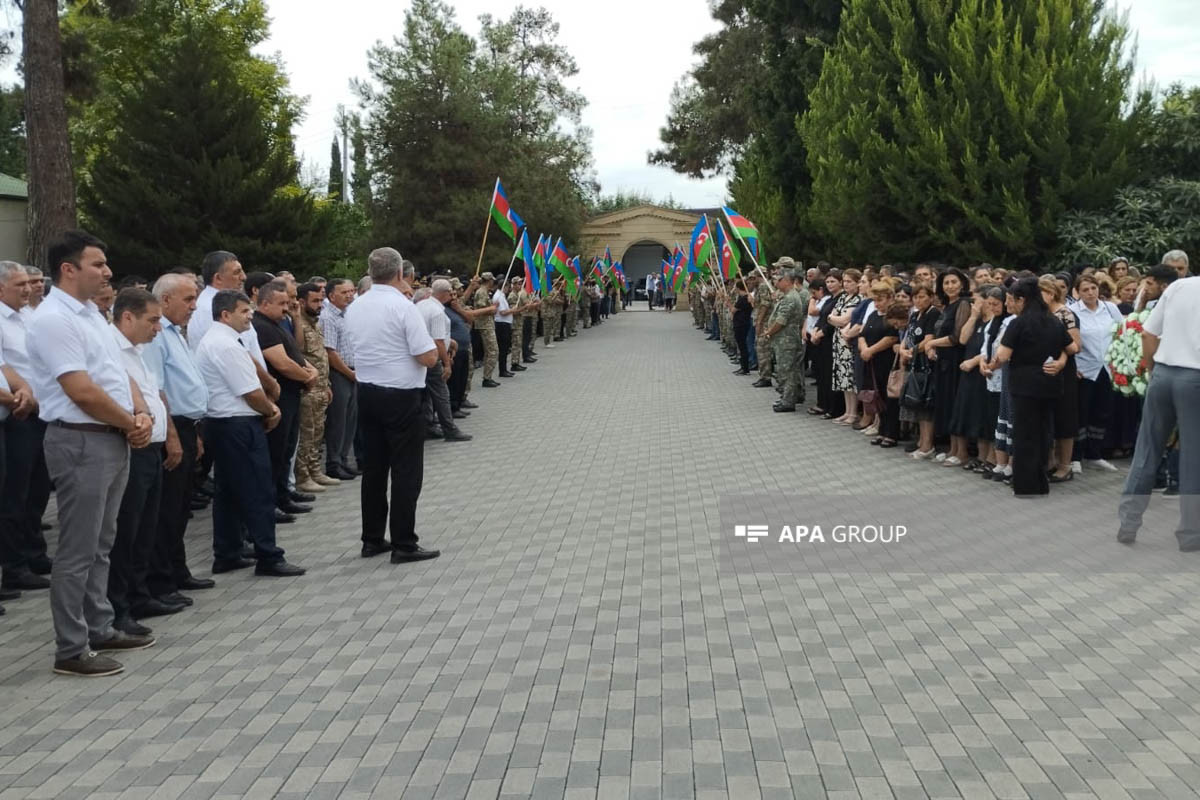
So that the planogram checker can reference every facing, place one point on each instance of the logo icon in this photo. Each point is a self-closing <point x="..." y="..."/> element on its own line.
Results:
<point x="751" y="533"/>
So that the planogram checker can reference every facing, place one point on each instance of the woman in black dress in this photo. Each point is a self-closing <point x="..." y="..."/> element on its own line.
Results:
<point x="921" y="326"/>
<point x="946" y="348"/>
<point x="1034" y="347"/>
<point x="831" y="404"/>
<point x="741" y="326"/>
<point x="974" y="415"/>
<point x="875" y="349"/>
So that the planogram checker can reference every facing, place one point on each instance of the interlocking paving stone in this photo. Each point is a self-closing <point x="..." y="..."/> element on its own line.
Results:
<point x="581" y="636"/>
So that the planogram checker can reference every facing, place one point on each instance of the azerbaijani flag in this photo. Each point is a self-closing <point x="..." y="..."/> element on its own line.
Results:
<point x="743" y="229"/>
<point x="532" y="283"/>
<point x="506" y="219"/>
<point x="558" y="259"/>
<point x="573" y="283"/>
<point x="608" y="262"/>
<point x="666" y="268"/>
<point x="598" y="270"/>
<point x="680" y="265"/>
<point x="702" y="247"/>
<point x="728" y="254"/>
<point x="539" y="263"/>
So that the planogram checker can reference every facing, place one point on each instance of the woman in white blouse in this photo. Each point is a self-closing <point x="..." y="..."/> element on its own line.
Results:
<point x="1096" y="320"/>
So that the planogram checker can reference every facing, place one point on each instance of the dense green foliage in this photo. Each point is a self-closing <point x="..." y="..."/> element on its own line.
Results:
<point x="621" y="200"/>
<point x="12" y="131"/>
<point x="334" y="186"/>
<point x="186" y="147"/>
<point x="1159" y="212"/>
<point x="446" y="114"/>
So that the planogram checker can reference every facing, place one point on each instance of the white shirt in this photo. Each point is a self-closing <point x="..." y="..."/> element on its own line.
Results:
<point x="131" y="357"/>
<point x="202" y="320"/>
<point x="15" y="350"/>
<point x="3" y="380"/>
<point x="502" y="313"/>
<point x="436" y="321"/>
<point x="66" y="335"/>
<point x="387" y="333"/>
<point x="228" y="371"/>
<point x="1175" y="320"/>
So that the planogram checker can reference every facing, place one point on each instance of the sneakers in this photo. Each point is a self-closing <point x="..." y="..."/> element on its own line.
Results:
<point x="1097" y="463"/>
<point x="88" y="665"/>
<point x="123" y="641"/>
<point x="1076" y="467"/>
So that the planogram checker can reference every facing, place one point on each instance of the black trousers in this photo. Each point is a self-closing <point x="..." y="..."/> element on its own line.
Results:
<point x="245" y="498"/>
<point x="1032" y="430"/>
<point x="739" y="335"/>
<point x="527" y="334"/>
<point x="394" y="446"/>
<point x="504" y="343"/>
<point x="24" y="494"/>
<point x="168" y="561"/>
<point x="137" y="531"/>
<point x="282" y="440"/>
<point x="458" y="378"/>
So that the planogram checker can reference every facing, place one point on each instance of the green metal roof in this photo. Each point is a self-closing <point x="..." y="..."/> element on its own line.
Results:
<point x="13" y="187"/>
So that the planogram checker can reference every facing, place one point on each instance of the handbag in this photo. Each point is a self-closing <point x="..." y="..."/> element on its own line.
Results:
<point x="918" y="390"/>
<point x="896" y="380"/>
<point x="872" y="403"/>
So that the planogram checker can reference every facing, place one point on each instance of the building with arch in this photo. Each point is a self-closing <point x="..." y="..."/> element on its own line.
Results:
<point x="639" y="237"/>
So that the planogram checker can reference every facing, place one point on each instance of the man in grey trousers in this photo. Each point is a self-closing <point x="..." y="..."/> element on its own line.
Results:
<point x="94" y="413"/>
<point x="341" y="418"/>
<point x="1171" y="344"/>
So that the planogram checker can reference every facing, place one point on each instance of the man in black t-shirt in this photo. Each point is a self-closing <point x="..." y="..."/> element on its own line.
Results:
<point x="287" y="364"/>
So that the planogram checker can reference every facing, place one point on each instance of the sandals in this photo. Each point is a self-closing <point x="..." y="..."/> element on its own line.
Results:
<point x="816" y="412"/>
<point x="887" y="443"/>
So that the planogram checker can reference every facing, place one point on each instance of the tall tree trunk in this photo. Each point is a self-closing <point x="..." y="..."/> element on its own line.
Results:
<point x="51" y="181"/>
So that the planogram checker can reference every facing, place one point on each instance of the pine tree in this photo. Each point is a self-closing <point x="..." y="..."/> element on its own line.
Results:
<point x="963" y="129"/>
<point x="197" y="162"/>
<point x="334" y="190"/>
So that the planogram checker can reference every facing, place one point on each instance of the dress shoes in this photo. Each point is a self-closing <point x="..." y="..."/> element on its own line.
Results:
<point x="468" y="404"/>
<point x="741" y="372"/>
<point x="130" y="626"/>
<point x="460" y="414"/>
<point x="302" y="496"/>
<point x="24" y="581"/>
<point x="529" y="360"/>
<point x="372" y="549"/>
<point x="294" y="508"/>
<point x="340" y="473"/>
<point x="489" y="383"/>
<point x="153" y="607"/>
<point x="41" y="565"/>
<point x="762" y="383"/>
<point x="175" y="598"/>
<point x="326" y="480"/>
<point x="506" y="374"/>
<point x="458" y="436"/>
<point x="88" y="665"/>
<point x="434" y="433"/>
<point x="9" y="594"/>
<point x="413" y="554"/>
<point x="122" y="641"/>
<point x="518" y="368"/>
<point x="193" y="584"/>
<point x="783" y="407"/>
<point x="279" y="569"/>
<point x="220" y="567"/>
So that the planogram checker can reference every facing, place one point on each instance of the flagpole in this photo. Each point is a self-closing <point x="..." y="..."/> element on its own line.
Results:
<point x="486" y="227"/>
<point x="510" y="264"/>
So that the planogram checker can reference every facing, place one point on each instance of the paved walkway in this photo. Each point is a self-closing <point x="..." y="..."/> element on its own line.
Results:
<point x="594" y="629"/>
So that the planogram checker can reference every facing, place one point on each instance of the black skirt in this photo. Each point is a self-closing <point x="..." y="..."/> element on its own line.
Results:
<point x="945" y="381"/>
<point x="970" y="408"/>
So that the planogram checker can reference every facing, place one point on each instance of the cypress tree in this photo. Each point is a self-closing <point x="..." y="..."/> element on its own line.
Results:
<point x="334" y="190"/>
<point x="360" y="168"/>
<point x="197" y="161"/>
<point x="963" y="129"/>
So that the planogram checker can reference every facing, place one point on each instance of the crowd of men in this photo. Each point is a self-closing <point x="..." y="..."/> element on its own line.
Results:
<point x="1004" y="374"/>
<point x="139" y="404"/>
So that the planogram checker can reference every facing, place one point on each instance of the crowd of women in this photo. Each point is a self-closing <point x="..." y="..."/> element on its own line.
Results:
<point x="1001" y="374"/>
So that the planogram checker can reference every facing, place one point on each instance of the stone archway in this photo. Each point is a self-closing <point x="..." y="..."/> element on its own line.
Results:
<point x="630" y="229"/>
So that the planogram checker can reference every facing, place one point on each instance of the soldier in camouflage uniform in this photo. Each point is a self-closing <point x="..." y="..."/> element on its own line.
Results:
<point x="763" y="301"/>
<point x="485" y="323"/>
<point x="518" y="323"/>
<point x="310" y="461"/>
<point x="552" y="310"/>
<point x="572" y="310"/>
<point x="696" y="304"/>
<point x="785" y="334"/>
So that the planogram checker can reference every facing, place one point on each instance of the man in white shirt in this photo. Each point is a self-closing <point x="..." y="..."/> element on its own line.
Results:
<point x="504" y="328"/>
<point x="221" y="270"/>
<point x="136" y="321"/>
<point x="239" y="414"/>
<point x="341" y="418"/>
<point x="431" y="303"/>
<point x="95" y="413"/>
<point x="1171" y="344"/>
<point x="392" y="350"/>
<point x="25" y="489"/>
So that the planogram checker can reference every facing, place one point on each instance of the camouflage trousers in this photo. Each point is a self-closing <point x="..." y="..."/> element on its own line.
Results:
<point x="470" y="370"/>
<point x="572" y="318"/>
<point x="698" y="314"/>
<point x="766" y="357"/>
<point x="309" y="459"/>
<point x="518" y="340"/>
<point x="789" y="366"/>
<point x="491" y="352"/>
<point x="550" y="323"/>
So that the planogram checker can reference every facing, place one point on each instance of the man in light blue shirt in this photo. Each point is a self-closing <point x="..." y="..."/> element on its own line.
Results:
<point x="173" y="363"/>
